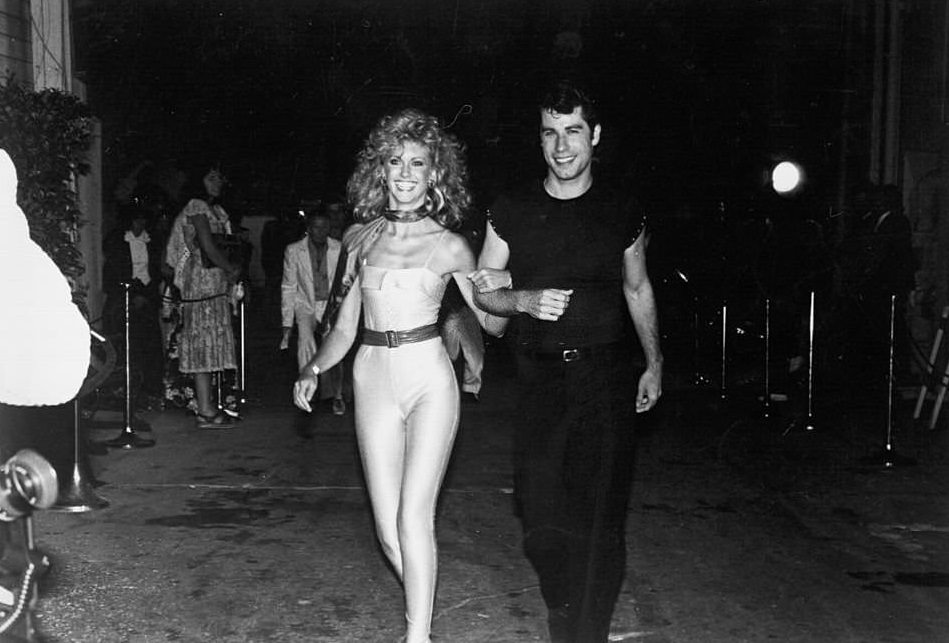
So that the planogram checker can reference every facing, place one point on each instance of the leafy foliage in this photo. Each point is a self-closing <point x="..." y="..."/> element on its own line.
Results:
<point x="47" y="134"/>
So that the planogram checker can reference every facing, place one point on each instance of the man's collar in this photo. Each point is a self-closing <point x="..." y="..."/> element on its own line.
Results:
<point x="555" y="189"/>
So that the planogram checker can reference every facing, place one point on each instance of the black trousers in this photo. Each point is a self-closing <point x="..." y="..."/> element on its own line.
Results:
<point x="574" y="451"/>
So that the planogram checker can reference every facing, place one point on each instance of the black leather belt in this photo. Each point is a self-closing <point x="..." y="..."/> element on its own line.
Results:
<point x="570" y="354"/>
<point x="395" y="338"/>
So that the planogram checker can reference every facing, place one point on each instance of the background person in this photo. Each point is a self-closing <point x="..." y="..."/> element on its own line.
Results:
<point x="576" y="250"/>
<point x="309" y="266"/>
<point x="409" y="188"/>
<point x="205" y="277"/>
<point x="133" y="256"/>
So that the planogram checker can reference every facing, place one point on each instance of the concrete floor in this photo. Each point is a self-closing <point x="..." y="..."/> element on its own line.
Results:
<point x="740" y="529"/>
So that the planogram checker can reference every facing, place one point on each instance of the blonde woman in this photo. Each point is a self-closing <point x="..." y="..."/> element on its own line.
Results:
<point x="408" y="193"/>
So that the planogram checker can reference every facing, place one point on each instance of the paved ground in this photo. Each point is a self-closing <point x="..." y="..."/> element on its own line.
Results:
<point x="741" y="529"/>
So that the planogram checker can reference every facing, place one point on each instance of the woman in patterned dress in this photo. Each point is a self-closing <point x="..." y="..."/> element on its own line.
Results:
<point x="205" y="276"/>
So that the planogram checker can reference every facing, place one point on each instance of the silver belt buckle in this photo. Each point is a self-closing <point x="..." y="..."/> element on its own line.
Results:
<point x="392" y="338"/>
<point x="571" y="354"/>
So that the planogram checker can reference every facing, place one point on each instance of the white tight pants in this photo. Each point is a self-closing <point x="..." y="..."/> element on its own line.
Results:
<point x="406" y="420"/>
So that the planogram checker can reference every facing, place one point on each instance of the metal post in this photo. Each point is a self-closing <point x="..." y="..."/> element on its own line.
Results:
<point x="243" y="378"/>
<point x="79" y="496"/>
<point x="888" y="462"/>
<point x="767" y="358"/>
<point x="724" y="345"/>
<point x="888" y="457"/>
<point x="128" y="439"/>
<point x="810" y="369"/>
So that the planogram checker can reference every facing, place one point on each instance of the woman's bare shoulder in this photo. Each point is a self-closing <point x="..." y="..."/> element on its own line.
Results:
<point x="456" y="242"/>
<point x="456" y="251"/>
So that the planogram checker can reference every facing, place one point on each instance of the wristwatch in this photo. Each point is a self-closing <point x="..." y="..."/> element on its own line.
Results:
<point x="315" y="369"/>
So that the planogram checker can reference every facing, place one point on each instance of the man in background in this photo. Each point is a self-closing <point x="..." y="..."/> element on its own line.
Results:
<point x="309" y="266"/>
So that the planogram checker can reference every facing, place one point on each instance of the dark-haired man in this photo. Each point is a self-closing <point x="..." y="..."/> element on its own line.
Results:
<point x="576" y="254"/>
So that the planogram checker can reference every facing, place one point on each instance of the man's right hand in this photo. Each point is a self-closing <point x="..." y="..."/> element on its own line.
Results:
<point x="548" y="304"/>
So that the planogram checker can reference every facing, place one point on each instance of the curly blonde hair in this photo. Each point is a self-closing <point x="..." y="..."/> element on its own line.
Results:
<point x="447" y="200"/>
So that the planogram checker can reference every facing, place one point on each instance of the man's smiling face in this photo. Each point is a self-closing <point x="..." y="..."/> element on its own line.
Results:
<point x="568" y="143"/>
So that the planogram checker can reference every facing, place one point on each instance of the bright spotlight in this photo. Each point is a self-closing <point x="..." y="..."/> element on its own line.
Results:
<point x="786" y="177"/>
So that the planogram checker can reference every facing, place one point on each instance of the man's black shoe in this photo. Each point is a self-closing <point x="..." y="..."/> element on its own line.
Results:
<point x="470" y="398"/>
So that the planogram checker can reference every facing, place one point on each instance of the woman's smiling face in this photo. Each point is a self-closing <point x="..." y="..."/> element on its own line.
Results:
<point x="408" y="171"/>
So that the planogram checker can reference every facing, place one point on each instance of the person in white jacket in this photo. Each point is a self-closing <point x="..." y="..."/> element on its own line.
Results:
<point x="309" y="266"/>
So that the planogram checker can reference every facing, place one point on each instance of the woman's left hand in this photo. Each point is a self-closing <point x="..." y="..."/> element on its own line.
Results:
<point x="303" y="390"/>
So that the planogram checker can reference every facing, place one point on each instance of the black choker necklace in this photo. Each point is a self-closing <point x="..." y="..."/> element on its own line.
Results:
<point x="405" y="216"/>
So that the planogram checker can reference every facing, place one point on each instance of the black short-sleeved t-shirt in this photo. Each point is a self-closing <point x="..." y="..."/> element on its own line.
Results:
<point x="574" y="243"/>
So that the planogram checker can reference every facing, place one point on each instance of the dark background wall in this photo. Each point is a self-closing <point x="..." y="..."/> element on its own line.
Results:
<point x="700" y="95"/>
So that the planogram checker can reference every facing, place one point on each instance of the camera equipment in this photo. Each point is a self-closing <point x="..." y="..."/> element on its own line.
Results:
<point x="27" y="482"/>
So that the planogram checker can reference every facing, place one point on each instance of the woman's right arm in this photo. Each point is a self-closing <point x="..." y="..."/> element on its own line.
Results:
<point x="547" y="304"/>
<point x="333" y="349"/>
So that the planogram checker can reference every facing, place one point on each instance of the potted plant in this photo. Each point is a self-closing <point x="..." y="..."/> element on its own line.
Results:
<point x="47" y="134"/>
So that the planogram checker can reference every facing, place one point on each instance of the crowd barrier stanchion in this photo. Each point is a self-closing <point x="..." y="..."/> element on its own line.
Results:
<point x="809" y="426"/>
<point x="698" y="377"/>
<point x="809" y="423"/>
<point x="888" y="457"/>
<point x="79" y="496"/>
<point x="233" y="407"/>
<point x="723" y="390"/>
<point x="243" y="362"/>
<point x="128" y="438"/>
<point x="767" y="358"/>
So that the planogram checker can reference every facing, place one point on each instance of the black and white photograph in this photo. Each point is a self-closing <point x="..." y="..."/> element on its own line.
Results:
<point x="474" y="321"/>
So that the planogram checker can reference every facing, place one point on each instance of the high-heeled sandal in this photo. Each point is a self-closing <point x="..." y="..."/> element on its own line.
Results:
<point x="216" y="421"/>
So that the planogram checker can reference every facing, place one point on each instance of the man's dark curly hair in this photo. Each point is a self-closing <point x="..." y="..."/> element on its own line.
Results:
<point x="448" y="199"/>
<point x="564" y="96"/>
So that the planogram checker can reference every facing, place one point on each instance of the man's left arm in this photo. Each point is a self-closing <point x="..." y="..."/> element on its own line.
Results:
<point x="641" y="302"/>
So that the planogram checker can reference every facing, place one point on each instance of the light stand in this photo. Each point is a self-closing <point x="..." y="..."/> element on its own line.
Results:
<point x="79" y="496"/>
<point x="128" y="439"/>
<point x="888" y="458"/>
